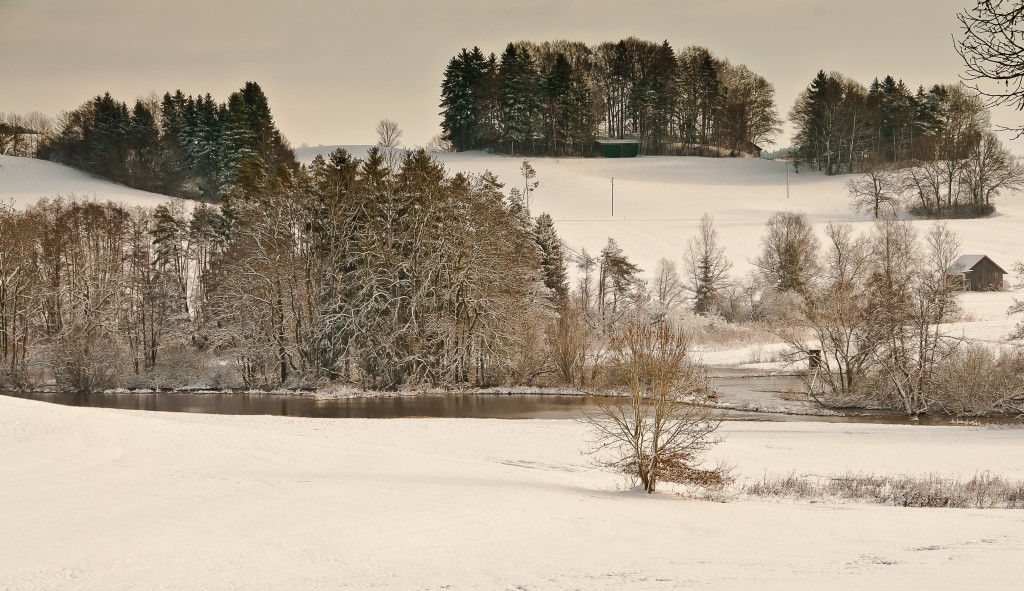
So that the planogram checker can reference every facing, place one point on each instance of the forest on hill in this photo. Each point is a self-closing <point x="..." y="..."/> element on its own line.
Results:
<point x="934" y="151"/>
<point x="184" y="146"/>
<point x="555" y="98"/>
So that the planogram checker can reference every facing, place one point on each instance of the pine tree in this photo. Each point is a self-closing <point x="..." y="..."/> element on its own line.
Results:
<point x="616" y="278"/>
<point x="143" y="146"/>
<point x="520" y="102"/>
<point x="557" y="95"/>
<point x="461" y="98"/>
<point x="552" y="259"/>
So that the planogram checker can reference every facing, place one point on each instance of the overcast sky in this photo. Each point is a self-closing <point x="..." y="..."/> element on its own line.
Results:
<point x="333" y="68"/>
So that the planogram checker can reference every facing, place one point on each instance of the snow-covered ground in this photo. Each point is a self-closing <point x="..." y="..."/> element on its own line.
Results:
<point x="23" y="181"/>
<point x="95" y="499"/>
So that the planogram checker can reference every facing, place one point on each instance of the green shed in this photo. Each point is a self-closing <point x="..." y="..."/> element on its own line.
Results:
<point x="615" y="148"/>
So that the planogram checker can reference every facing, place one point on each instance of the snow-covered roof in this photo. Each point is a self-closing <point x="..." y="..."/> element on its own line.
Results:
<point x="967" y="263"/>
<point x="617" y="141"/>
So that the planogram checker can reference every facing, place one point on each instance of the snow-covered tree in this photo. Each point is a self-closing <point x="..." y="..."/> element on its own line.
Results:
<point x="706" y="267"/>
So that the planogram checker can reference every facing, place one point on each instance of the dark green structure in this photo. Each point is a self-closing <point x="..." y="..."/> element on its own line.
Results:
<point x="613" y="148"/>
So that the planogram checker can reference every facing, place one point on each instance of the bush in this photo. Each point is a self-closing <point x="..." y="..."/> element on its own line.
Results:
<point x="976" y="381"/>
<point x="982" y="491"/>
<point x="185" y="367"/>
<point x="85" y="364"/>
<point x="955" y="212"/>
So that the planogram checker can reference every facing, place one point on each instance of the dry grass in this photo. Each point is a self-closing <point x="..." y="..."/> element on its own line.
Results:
<point x="982" y="491"/>
<point x="715" y="333"/>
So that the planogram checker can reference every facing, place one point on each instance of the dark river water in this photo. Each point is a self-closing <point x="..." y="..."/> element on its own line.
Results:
<point x="734" y="389"/>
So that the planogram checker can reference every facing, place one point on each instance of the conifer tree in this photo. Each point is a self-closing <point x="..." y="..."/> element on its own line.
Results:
<point x="552" y="258"/>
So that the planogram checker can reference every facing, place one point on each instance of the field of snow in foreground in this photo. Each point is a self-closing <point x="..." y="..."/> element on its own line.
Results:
<point x="95" y="499"/>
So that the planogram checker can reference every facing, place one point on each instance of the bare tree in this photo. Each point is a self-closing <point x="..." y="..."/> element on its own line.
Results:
<point x="706" y="267"/>
<point x="992" y="50"/>
<point x="569" y="337"/>
<point x="439" y="143"/>
<point x="911" y="297"/>
<point x="879" y="187"/>
<point x="388" y="134"/>
<point x="667" y="288"/>
<point x="651" y="432"/>
<point x="789" y="251"/>
<point x="1018" y="306"/>
<point x="835" y="309"/>
<point x="991" y="169"/>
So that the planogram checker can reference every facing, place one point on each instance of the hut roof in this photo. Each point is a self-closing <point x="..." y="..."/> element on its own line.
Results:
<point x="613" y="141"/>
<point x="967" y="263"/>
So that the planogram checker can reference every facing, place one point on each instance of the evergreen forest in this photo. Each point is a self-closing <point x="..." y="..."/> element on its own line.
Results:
<point x="184" y="146"/>
<point x="556" y="98"/>
<point x="934" y="149"/>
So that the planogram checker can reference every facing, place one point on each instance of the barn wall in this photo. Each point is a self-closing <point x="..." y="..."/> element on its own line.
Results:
<point x="985" y="276"/>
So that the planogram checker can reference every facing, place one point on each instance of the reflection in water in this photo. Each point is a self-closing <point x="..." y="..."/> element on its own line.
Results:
<point x="513" y="406"/>
<point x="739" y="390"/>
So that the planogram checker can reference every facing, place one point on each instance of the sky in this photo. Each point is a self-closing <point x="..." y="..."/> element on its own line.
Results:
<point x="333" y="68"/>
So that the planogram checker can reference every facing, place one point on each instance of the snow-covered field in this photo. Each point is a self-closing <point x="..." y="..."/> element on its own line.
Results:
<point x="95" y="499"/>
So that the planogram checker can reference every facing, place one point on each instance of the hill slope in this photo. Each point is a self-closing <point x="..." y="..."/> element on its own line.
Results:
<point x="659" y="202"/>
<point x="24" y="181"/>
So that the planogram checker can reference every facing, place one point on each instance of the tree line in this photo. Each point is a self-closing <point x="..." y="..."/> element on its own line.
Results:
<point x="184" y="146"/>
<point x="933" y="150"/>
<point x="555" y="98"/>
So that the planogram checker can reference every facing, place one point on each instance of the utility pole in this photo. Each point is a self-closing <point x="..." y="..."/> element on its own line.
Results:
<point x="787" y="179"/>
<point x="613" y="196"/>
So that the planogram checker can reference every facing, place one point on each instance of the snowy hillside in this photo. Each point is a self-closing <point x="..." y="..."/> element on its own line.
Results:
<point x="26" y="180"/>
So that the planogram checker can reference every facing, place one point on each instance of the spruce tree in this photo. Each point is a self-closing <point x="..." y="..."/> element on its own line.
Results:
<point x="552" y="258"/>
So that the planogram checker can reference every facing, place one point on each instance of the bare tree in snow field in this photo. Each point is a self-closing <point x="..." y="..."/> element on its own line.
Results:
<point x="789" y="251"/>
<point x="650" y="432"/>
<point x="877" y="191"/>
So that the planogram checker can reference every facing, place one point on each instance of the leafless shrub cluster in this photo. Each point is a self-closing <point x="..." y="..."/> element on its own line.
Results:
<point x="876" y="313"/>
<point x="981" y="491"/>
<point x="977" y="381"/>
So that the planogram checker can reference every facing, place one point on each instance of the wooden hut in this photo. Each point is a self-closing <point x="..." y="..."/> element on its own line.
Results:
<point x="618" y="148"/>
<point x="978" y="273"/>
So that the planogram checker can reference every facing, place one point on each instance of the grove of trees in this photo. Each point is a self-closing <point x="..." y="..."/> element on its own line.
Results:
<point x="933" y="150"/>
<point x="555" y="98"/>
<point x="185" y="146"/>
<point x="355" y="271"/>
